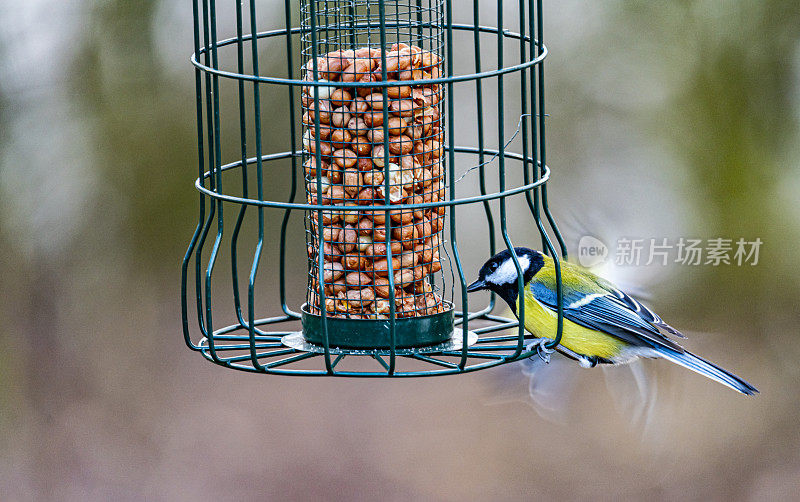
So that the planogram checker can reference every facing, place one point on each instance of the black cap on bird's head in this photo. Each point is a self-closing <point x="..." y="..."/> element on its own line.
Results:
<point x="499" y="274"/>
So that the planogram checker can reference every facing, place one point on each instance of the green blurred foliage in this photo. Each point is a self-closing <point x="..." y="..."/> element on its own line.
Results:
<point x="143" y="130"/>
<point x="732" y="120"/>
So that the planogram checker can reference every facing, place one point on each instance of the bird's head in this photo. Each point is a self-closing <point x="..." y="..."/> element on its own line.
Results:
<point x="499" y="274"/>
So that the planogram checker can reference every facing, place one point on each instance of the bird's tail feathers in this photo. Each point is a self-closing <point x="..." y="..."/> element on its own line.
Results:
<point x="707" y="369"/>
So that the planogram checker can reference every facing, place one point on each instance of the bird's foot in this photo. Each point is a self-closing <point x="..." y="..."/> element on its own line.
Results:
<point x="541" y="348"/>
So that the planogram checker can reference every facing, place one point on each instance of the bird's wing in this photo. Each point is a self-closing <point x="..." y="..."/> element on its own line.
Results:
<point x="633" y="304"/>
<point x="590" y="303"/>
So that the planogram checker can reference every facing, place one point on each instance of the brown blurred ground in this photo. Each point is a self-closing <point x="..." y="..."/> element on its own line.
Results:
<point x="691" y="109"/>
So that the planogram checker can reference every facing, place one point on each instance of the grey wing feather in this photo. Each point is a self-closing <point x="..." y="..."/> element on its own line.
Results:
<point x="644" y="312"/>
<point x="610" y="316"/>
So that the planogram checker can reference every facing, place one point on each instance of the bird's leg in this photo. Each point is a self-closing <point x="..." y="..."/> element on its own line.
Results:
<point x="541" y="348"/>
<point x="583" y="361"/>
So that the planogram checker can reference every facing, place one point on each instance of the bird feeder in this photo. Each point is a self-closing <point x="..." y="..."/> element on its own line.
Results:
<point x="366" y="167"/>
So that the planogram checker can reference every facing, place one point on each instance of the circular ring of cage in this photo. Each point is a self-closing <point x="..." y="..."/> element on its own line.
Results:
<point x="258" y="345"/>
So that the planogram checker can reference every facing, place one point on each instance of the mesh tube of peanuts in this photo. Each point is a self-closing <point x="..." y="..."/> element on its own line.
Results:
<point x="353" y="170"/>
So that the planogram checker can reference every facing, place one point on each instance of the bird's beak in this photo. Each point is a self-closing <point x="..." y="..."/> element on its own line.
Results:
<point x="476" y="286"/>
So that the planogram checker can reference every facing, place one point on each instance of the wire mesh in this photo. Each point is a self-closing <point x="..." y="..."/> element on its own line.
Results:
<point x="373" y="143"/>
<point x="376" y="146"/>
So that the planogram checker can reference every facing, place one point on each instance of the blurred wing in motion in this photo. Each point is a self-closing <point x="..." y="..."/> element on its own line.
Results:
<point x="633" y="389"/>
<point x="547" y="388"/>
<point x="553" y="390"/>
<point x="551" y="386"/>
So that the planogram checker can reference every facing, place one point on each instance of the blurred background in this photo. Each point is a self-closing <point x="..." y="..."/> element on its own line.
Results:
<point x="667" y="119"/>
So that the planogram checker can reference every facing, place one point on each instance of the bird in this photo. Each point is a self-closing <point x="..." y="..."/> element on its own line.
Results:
<point x="602" y="324"/>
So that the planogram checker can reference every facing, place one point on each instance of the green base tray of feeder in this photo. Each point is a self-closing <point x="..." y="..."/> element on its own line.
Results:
<point x="410" y="332"/>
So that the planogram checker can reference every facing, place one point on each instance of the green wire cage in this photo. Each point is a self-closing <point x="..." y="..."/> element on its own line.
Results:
<point x="372" y="98"/>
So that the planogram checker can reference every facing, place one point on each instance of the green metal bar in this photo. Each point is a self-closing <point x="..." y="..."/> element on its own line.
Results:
<point x="243" y="143"/>
<point x="319" y="207"/>
<point x="533" y="53"/>
<point x="487" y="209"/>
<point x="235" y="338"/>
<point x="501" y="338"/>
<point x="477" y="355"/>
<point x="380" y="360"/>
<point x="212" y="206"/>
<point x="491" y="360"/>
<point x="293" y="142"/>
<point x="420" y="20"/>
<point x="474" y="315"/>
<point x="542" y="116"/>
<point x="441" y="80"/>
<point x="338" y="358"/>
<point x="299" y="357"/>
<point x="432" y="360"/>
<point x="251" y="280"/>
<point x="525" y="117"/>
<point x="216" y="159"/>
<point x="556" y="260"/>
<point x="198" y="84"/>
<point x="493" y="329"/>
<point x="451" y="173"/>
<point x="318" y="159"/>
<point x="351" y="11"/>
<point x="245" y="346"/>
<point x="351" y="374"/>
<point x="386" y="182"/>
<point x="492" y="348"/>
<point x="260" y="355"/>
<point x="502" y="181"/>
<point x="276" y="319"/>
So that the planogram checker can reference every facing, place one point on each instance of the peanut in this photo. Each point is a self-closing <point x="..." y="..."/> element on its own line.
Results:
<point x="352" y="182"/>
<point x="358" y="68"/>
<point x="354" y="262"/>
<point x="403" y="217"/>
<point x="358" y="279"/>
<point x="382" y="287"/>
<point x="325" y="110"/>
<point x="366" y="196"/>
<point x="379" y="248"/>
<point x="332" y="271"/>
<point x="404" y="277"/>
<point x="381" y="267"/>
<point x="311" y="167"/>
<point x="403" y="108"/>
<point x="341" y="97"/>
<point x="398" y="91"/>
<point x="345" y="158"/>
<point x="350" y="217"/>
<point x="365" y="164"/>
<point x="349" y="237"/>
<point x="362" y="148"/>
<point x="373" y="119"/>
<point x="373" y="177"/>
<point x="340" y="138"/>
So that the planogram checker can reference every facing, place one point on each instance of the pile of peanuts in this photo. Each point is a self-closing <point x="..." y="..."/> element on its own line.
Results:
<point x="353" y="171"/>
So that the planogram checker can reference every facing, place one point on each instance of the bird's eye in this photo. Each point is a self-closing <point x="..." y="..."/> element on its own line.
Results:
<point x="493" y="266"/>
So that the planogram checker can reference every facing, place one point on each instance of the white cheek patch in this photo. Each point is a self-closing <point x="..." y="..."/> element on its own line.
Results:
<point x="507" y="272"/>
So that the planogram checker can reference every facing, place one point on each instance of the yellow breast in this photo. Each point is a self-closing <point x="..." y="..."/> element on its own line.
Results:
<point x="543" y="322"/>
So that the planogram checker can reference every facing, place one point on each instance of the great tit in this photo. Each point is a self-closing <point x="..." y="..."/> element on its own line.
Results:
<point x="602" y="325"/>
